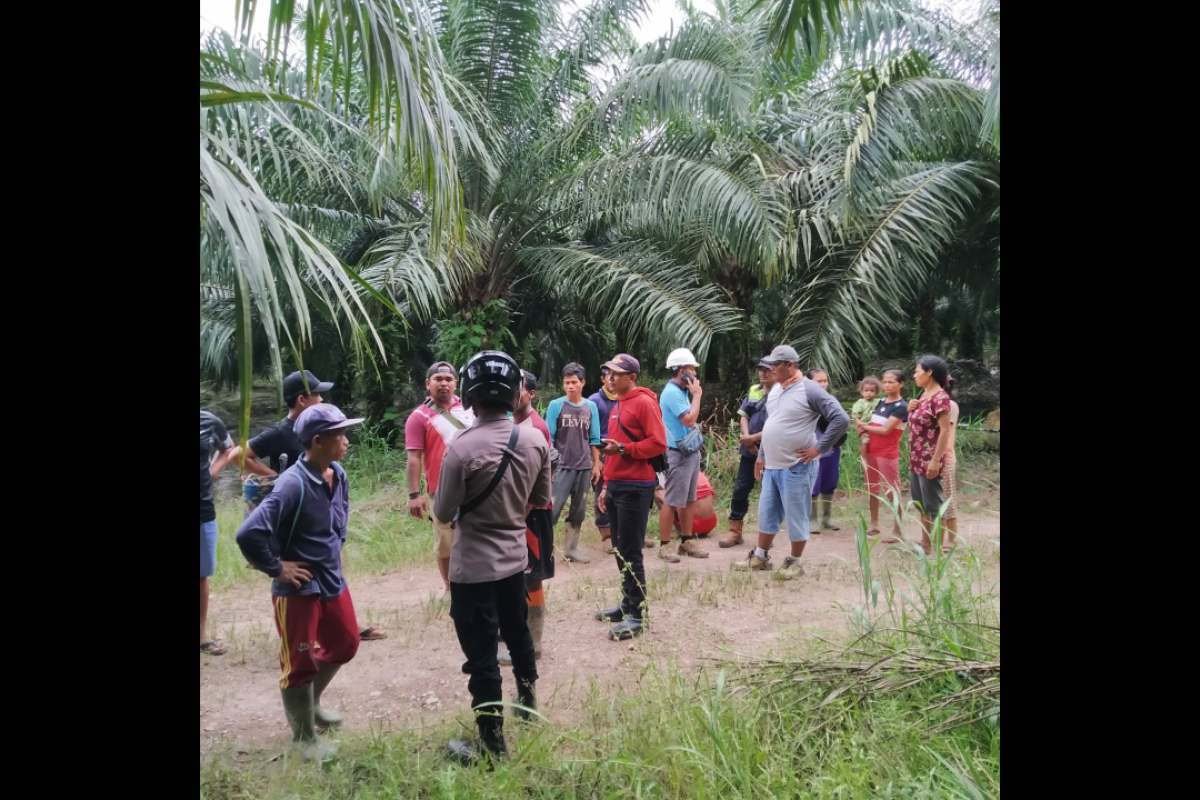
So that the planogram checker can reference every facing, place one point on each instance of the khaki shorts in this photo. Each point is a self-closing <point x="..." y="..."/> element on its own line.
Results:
<point x="443" y="537"/>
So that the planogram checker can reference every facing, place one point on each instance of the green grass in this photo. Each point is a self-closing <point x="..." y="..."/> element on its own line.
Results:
<point x="892" y="710"/>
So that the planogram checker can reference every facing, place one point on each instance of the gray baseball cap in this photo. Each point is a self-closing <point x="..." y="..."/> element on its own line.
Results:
<point x="782" y="353"/>
<point x="320" y="419"/>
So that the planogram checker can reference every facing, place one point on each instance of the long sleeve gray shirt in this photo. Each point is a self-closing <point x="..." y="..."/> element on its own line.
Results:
<point x="792" y="416"/>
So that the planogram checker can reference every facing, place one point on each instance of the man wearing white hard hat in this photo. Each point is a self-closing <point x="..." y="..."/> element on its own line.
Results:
<point x="680" y="416"/>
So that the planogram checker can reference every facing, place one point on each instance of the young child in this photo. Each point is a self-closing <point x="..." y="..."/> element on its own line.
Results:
<point x="869" y="390"/>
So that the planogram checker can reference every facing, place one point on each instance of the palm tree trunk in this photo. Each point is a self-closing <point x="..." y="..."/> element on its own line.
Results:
<point x="969" y="345"/>
<point x="927" y="333"/>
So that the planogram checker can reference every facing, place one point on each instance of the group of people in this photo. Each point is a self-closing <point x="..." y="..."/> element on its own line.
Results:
<point x="498" y="478"/>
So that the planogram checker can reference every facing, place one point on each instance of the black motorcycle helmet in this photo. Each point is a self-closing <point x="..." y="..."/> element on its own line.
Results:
<point x="490" y="376"/>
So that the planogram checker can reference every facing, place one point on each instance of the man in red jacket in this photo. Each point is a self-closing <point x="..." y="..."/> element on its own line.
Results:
<point x="635" y="435"/>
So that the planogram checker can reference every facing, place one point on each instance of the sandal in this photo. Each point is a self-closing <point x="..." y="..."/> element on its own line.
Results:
<point x="214" y="648"/>
<point x="873" y="532"/>
<point x="890" y="540"/>
<point x="371" y="635"/>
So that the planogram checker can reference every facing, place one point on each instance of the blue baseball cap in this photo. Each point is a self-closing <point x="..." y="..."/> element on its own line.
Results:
<point x="320" y="419"/>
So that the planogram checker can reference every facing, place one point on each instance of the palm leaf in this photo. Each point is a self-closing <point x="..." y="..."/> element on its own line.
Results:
<point x="855" y="295"/>
<point x="638" y="290"/>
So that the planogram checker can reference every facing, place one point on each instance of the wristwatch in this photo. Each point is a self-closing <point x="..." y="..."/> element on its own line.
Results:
<point x="413" y="495"/>
<point x="621" y="448"/>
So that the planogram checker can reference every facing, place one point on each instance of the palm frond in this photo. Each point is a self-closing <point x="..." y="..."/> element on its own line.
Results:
<point x="706" y="71"/>
<point x="405" y="268"/>
<point x="385" y="52"/>
<point x="638" y="290"/>
<point x="735" y="201"/>
<point x="810" y="22"/>
<point x="918" y="118"/>
<point x="854" y="296"/>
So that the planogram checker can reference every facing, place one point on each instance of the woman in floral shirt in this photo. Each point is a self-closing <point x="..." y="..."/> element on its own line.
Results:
<point x="929" y="430"/>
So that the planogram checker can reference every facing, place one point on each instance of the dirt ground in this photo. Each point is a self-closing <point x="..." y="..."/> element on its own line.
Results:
<point x="700" y="611"/>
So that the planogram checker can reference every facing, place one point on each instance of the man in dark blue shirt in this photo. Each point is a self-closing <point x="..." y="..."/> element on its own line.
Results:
<point x="752" y="416"/>
<point x="296" y="536"/>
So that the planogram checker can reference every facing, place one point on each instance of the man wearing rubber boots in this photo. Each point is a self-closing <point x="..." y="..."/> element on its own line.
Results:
<point x="492" y="476"/>
<point x="296" y="536"/>
<point x="636" y="437"/>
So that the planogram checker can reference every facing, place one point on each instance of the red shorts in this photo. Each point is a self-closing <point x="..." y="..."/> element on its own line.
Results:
<point x="706" y="525"/>
<point x="311" y="627"/>
<point x="883" y="475"/>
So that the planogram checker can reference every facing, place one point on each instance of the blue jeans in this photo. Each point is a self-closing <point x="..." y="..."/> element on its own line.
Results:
<point x="208" y="548"/>
<point x="787" y="495"/>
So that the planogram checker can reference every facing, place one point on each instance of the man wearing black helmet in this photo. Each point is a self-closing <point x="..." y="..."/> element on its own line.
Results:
<point x="492" y="476"/>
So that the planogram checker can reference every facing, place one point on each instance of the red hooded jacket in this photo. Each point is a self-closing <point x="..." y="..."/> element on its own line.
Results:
<point x="640" y="413"/>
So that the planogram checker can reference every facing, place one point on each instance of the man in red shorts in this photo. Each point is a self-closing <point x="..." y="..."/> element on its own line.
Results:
<point x="704" y="520"/>
<point x="296" y="536"/>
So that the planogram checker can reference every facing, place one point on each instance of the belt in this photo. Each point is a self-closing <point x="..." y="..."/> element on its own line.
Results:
<point x="675" y="449"/>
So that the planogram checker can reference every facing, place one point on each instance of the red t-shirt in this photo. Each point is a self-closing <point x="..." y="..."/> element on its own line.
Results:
<point x="887" y="446"/>
<point x="430" y="432"/>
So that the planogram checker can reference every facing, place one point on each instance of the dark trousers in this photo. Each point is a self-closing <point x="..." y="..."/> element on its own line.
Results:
<point x="478" y="611"/>
<point x="742" y="486"/>
<point x="628" y="508"/>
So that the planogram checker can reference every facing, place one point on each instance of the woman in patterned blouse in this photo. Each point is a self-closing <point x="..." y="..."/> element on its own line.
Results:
<point x="929" y="429"/>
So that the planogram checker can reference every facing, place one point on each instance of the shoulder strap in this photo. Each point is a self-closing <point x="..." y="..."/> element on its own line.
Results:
<point x="622" y="424"/>
<point x="473" y="503"/>
<point x="446" y="415"/>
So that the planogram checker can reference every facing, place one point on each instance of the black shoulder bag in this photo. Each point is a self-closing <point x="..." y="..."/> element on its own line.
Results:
<point x="659" y="462"/>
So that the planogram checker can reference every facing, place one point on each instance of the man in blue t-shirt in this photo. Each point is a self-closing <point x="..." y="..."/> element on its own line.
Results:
<point x="680" y="415"/>
<point x="574" y="425"/>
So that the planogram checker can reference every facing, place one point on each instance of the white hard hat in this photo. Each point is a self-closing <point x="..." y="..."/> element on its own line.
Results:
<point x="681" y="358"/>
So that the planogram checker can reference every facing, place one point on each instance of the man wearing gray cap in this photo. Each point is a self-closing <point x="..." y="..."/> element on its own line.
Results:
<point x="788" y="459"/>
<point x="296" y="536"/>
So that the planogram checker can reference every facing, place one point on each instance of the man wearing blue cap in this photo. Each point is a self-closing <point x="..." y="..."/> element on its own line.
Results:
<point x="296" y="536"/>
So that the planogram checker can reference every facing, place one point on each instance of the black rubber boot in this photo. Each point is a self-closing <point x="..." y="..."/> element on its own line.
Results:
<point x="610" y="615"/>
<point x="488" y="747"/>
<point x="527" y="698"/>
<point x="626" y="629"/>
